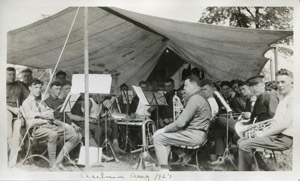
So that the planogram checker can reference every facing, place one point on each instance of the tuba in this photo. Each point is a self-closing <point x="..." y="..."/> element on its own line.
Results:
<point x="177" y="107"/>
<point x="248" y="131"/>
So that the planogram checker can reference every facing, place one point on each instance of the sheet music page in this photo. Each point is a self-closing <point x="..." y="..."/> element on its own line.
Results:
<point x="159" y="96"/>
<point x="98" y="83"/>
<point x="138" y="90"/>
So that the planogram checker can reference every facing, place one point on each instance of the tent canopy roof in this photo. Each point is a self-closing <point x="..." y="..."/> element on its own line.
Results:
<point x="129" y="44"/>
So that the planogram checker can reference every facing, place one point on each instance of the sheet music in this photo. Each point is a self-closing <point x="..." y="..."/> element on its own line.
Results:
<point x="138" y="90"/>
<point x="98" y="83"/>
<point x="129" y="94"/>
<point x="159" y="96"/>
<point x="69" y="102"/>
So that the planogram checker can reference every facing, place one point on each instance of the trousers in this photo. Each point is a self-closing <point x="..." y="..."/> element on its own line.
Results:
<point x="220" y="133"/>
<point x="51" y="133"/>
<point x="247" y="146"/>
<point x="164" y="141"/>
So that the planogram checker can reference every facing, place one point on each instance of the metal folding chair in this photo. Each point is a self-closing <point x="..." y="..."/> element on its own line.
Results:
<point x="195" y="149"/>
<point x="279" y="159"/>
<point x="31" y="143"/>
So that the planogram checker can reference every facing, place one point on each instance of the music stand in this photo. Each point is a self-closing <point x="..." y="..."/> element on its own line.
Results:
<point x="78" y="86"/>
<point x="229" y="115"/>
<point x="66" y="107"/>
<point x="156" y="99"/>
<point x="148" y="99"/>
<point x="106" y="144"/>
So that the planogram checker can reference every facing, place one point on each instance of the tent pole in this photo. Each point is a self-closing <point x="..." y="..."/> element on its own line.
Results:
<point x="276" y="60"/>
<point x="86" y="91"/>
<point x="271" y="69"/>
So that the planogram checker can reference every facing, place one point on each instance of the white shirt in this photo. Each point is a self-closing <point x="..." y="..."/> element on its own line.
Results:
<point x="95" y="109"/>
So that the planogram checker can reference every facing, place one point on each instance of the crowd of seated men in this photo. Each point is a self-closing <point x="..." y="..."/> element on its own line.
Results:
<point x="254" y="102"/>
<point x="252" y="99"/>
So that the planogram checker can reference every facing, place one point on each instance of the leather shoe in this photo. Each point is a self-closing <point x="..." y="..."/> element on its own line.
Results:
<point x="220" y="160"/>
<point x="117" y="149"/>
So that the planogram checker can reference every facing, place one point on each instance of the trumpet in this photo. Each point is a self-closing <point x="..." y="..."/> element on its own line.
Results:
<point x="248" y="131"/>
<point x="177" y="107"/>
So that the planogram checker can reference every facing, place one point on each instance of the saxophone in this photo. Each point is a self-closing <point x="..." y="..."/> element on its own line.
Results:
<point x="177" y="107"/>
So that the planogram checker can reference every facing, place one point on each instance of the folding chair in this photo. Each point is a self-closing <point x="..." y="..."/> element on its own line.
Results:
<point x="279" y="159"/>
<point x="195" y="149"/>
<point x="31" y="143"/>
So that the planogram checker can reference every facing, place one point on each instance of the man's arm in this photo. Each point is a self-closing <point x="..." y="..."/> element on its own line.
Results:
<point x="25" y="91"/>
<point x="282" y="120"/>
<point x="272" y="105"/>
<point x="30" y="115"/>
<point x="74" y="117"/>
<point x="186" y="116"/>
<point x="236" y="105"/>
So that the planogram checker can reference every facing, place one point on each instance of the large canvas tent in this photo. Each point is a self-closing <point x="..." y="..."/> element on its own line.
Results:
<point x="130" y="44"/>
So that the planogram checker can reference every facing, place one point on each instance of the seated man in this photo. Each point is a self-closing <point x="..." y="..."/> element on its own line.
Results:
<point x="282" y="129"/>
<point x="137" y="108"/>
<point x="124" y="99"/>
<point x="208" y="88"/>
<point x="40" y="118"/>
<point x="238" y="102"/>
<point x="191" y="126"/>
<point x="221" y="125"/>
<point x="166" y="112"/>
<point x="26" y="78"/>
<point x="55" y="103"/>
<point x="65" y="89"/>
<point x="16" y="93"/>
<point x="95" y="130"/>
<point x="61" y="77"/>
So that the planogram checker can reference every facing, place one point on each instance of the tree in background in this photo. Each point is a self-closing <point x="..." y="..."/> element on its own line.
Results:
<point x="271" y="18"/>
<point x="250" y="17"/>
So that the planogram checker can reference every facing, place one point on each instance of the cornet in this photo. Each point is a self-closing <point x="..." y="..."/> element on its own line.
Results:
<point x="177" y="107"/>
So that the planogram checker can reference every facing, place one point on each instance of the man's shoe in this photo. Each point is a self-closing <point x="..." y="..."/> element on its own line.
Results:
<point x="57" y="167"/>
<point x="161" y="168"/>
<point x="219" y="161"/>
<point x="186" y="159"/>
<point x="106" y="158"/>
<point x="117" y="149"/>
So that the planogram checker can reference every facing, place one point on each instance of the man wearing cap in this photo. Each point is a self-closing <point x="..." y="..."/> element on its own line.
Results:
<point x="266" y="102"/>
<point x="280" y="134"/>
